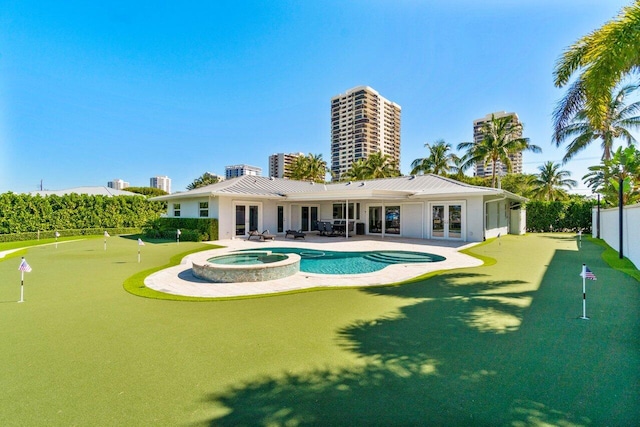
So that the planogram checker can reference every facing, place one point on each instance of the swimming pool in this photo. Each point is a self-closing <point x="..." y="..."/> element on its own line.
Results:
<point x="333" y="262"/>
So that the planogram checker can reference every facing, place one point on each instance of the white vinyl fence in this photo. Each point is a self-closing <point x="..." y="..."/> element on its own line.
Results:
<point x="609" y="230"/>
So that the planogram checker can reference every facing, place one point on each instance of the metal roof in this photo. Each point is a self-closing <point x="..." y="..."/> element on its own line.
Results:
<point x="414" y="186"/>
<point x="92" y="191"/>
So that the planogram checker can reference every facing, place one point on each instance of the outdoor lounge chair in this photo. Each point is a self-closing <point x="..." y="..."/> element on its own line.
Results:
<point x="295" y="234"/>
<point x="263" y="236"/>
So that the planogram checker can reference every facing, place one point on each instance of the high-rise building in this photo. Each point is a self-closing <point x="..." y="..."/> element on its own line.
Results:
<point x="516" y="158"/>
<point x="362" y="123"/>
<point x="161" y="182"/>
<point x="235" y="171"/>
<point x="279" y="162"/>
<point x="118" y="184"/>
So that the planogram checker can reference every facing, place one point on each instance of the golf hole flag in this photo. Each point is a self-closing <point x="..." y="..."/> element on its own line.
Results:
<point x="23" y="268"/>
<point x="585" y="274"/>
<point x="140" y="243"/>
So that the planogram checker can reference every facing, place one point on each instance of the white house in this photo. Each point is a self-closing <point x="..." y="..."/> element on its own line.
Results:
<point x="422" y="206"/>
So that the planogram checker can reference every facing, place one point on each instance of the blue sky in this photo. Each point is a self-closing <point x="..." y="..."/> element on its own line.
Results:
<point x="92" y="91"/>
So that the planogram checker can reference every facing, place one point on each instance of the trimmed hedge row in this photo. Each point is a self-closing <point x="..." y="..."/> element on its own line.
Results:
<point x="569" y="216"/>
<point x="23" y="213"/>
<point x="192" y="229"/>
<point x="37" y="235"/>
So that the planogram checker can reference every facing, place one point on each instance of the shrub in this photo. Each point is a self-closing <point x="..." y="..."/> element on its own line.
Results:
<point x="192" y="229"/>
<point x="571" y="215"/>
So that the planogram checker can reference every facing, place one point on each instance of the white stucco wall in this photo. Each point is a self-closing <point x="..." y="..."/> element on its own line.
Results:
<point x="610" y="231"/>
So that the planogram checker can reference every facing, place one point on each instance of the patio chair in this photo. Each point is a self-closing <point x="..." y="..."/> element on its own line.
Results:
<point x="263" y="236"/>
<point x="295" y="234"/>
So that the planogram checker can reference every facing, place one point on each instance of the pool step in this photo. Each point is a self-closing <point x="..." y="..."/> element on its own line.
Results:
<point x="398" y="258"/>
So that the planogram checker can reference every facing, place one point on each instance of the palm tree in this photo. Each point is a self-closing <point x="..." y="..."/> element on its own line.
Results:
<point x="381" y="166"/>
<point x="501" y="136"/>
<point x="307" y="168"/>
<point x="205" y="179"/>
<point x="550" y="181"/>
<point x="605" y="178"/>
<point x="616" y="124"/>
<point x="359" y="170"/>
<point x="603" y="58"/>
<point x="438" y="162"/>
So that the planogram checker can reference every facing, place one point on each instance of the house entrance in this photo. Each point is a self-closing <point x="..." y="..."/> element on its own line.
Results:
<point x="447" y="220"/>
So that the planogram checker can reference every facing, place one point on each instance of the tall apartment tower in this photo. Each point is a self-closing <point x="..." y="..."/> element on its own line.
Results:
<point x="279" y="162"/>
<point x="362" y="123"/>
<point x="516" y="158"/>
<point x="161" y="182"/>
<point x="118" y="184"/>
<point x="235" y="171"/>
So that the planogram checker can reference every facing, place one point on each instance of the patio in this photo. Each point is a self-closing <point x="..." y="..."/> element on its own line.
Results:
<point x="179" y="280"/>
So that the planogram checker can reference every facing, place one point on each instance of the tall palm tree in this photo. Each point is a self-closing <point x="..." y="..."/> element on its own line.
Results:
<point x="501" y="136"/>
<point x="550" y="181"/>
<point x="620" y="118"/>
<point x="439" y="161"/>
<point x="308" y="168"/>
<point x="359" y="170"/>
<point x="602" y="58"/>
<point x="381" y="166"/>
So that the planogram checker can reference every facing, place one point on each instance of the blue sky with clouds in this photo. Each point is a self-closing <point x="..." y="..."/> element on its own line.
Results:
<point x="92" y="91"/>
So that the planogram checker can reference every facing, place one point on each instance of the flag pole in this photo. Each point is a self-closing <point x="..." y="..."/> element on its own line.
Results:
<point x="21" y="286"/>
<point x="584" y="293"/>
<point x="580" y="239"/>
<point x="138" y="254"/>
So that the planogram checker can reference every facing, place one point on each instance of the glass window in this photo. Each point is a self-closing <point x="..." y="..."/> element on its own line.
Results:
<point x="339" y="213"/>
<point x="280" y="219"/>
<point x="204" y="209"/>
<point x="240" y="220"/>
<point x="392" y="220"/>
<point x="176" y="209"/>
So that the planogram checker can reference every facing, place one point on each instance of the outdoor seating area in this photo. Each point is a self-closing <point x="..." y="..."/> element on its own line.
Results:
<point x="265" y="235"/>
<point x="335" y="228"/>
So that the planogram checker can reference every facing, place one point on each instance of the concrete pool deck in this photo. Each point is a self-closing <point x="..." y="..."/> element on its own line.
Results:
<point x="179" y="280"/>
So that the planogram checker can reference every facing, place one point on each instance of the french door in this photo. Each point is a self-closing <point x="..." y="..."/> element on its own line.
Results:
<point x="309" y="218"/>
<point x="447" y="220"/>
<point x="247" y="218"/>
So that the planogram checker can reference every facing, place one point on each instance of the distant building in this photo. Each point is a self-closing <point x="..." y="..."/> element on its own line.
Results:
<point x="278" y="163"/>
<point x="161" y="182"/>
<point x="516" y="158"/>
<point x="362" y="123"/>
<point x="235" y="171"/>
<point x="118" y="184"/>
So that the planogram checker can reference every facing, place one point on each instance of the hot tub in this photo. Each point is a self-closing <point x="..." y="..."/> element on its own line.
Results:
<point x="247" y="267"/>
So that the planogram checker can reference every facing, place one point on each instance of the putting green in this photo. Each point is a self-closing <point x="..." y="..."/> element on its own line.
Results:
<point x="493" y="345"/>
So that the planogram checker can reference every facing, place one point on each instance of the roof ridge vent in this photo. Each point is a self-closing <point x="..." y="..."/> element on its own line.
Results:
<point x="412" y="177"/>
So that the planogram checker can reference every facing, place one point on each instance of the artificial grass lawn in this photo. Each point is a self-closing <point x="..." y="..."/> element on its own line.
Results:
<point x="493" y="345"/>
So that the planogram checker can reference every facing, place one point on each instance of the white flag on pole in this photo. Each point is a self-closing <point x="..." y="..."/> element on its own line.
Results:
<point x="140" y="242"/>
<point x="57" y="234"/>
<point x="106" y="233"/>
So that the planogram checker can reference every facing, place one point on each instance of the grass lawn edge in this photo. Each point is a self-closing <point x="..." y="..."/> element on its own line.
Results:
<point x="135" y="284"/>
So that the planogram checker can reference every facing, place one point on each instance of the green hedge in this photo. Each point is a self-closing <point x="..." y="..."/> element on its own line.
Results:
<point x="192" y="229"/>
<point x="23" y="213"/>
<point x="567" y="216"/>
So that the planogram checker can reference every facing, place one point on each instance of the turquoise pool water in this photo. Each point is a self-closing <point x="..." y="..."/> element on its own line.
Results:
<point x="332" y="262"/>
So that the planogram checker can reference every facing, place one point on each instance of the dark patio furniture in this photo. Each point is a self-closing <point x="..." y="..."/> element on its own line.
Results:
<point x="295" y="234"/>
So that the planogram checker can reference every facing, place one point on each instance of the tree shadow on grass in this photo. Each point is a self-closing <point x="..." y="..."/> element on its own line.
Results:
<point x="469" y="351"/>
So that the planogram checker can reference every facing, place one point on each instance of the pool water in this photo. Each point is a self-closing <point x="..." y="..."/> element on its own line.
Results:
<point x="332" y="262"/>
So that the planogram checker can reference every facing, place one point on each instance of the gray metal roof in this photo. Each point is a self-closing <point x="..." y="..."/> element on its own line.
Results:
<point x="414" y="186"/>
<point x="92" y="191"/>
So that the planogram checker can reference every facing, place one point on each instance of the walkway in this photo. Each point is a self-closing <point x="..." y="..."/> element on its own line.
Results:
<point x="179" y="280"/>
